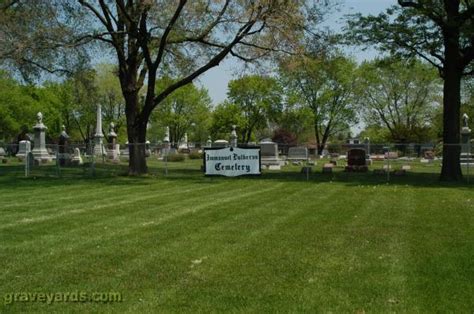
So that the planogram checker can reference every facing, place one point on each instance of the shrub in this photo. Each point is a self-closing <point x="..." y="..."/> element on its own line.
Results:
<point x="175" y="157"/>
<point x="195" y="155"/>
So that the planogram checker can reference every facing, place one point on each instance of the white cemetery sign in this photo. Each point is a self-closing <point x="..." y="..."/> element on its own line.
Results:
<point x="232" y="161"/>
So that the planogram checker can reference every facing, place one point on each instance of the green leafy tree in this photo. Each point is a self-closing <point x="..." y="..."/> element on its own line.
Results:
<point x="184" y="39"/>
<point x="224" y="116"/>
<point x="35" y="39"/>
<point x="187" y="110"/>
<point x="17" y="108"/>
<point x="296" y="120"/>
<point x="259" y="100"/>
<point x="79" y="97"/>
<point x="401" y="96"/>
<point x="376" y="133"/>
<point x="19" y="105"/>
<point x="439" y="31"/>
<point x="326" y="87"/>
<point x="109" y="95"/>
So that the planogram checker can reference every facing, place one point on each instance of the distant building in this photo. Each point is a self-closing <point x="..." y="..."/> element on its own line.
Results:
<point x="353" y="141"/>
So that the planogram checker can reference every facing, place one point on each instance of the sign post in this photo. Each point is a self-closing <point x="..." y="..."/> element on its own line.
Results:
<point x="232" y="161"/>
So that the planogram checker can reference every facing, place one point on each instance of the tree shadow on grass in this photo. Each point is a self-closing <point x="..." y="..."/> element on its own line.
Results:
<point x="116" y="175"/>
<point x="414" y="179"/>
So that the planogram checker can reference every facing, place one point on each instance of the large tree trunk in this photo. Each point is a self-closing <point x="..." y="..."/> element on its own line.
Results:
<point x="136" y="143"/>
<point x="136" y="131"/>
<point x="325" y="138"/>
<point x="319" y="147"/>
<point x="248" y="136"/>
<point x="451" y="170"/>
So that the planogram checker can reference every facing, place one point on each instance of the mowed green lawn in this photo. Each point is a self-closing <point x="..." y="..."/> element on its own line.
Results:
<point x="187" y="243"/>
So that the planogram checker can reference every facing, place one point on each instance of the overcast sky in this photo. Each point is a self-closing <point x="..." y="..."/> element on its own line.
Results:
<point x="216" y="79"/>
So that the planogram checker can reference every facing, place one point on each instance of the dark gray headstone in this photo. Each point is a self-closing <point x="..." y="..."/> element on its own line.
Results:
<point x="298" y="153"/>
<point x="268" y="149"/>
<point x="356" y="157"/>
<point x="30" y="159"/>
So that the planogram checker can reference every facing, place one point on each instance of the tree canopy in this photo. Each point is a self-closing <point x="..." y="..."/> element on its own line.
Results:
<point x="439" y="31"/>
<point x="259" y="99"/>
<point x="399" y="95"/>
<point x="187" y="110"/>
<point x="326" y="86"/>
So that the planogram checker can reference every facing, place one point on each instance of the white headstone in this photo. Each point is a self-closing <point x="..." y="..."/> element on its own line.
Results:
<point x="39" y="151"/>
<point x="233" y="137"/>
<point x="76" y="158"/>
<point x="99" y="149"/>
<point x="24" y="148"/>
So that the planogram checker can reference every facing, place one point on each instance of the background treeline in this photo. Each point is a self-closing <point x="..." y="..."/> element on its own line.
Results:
<point x="315" y="100"/>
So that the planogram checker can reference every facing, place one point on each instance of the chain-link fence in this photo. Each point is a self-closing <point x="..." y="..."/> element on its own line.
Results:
<point x="357" y="162"/>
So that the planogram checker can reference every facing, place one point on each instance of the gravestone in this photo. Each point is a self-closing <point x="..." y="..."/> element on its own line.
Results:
<point x="39" y="151"/>
<point x="233" y="136"/>
<point x="147" y="149"/>
<point x="184" y="147"/>
<point x="391" y="155"/>
<point x="356" y="160"/>
<point x="63" y="154"/>
<point x="429" y="154"/>
<point x="2" y="155"/>
<point x="76" y="158"/>
<point x="269" y="153"/>
<point x="99" y="149"/>
<point x="165" y="150"/>
<point x="166" y="139"/>
<point x="112" y="152"/>
<point x="24" y="148"/>
<point x="209" y="141"/>
<point x="327" y="168"/>
<point x="467" y="158"/>
<point x="428" y="157"/>
<point x="220" y="143"/>
<point x="184" y="143"/>
<point x="298" y="154"/>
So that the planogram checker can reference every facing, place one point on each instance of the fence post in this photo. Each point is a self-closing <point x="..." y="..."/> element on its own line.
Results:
<point x="58" y="168"/>
<point x="27" y="166"/>
<point x="166" y="161"/>
<point x="388" y="165"/>
<point x="92" y="154"/>
<point x="468" y="159"/>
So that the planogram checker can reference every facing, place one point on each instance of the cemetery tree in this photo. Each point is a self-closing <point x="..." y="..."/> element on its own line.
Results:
<point x="258" y="98"/>
<point x="185" y="111"/>
<point x="326" y="87"/>
<point x="441" y="32"/>
<point x="183" y="39"/>
<point x="109" y="94"/>
<point x="16" y="108"/>
<point x="19" y="104"/>
<point x="224" y="116"/>
<point x="35" y="38"/>
<point x="295" y="122"/>
<point x="400" y="95"/>
<point x="79" y="95"/>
